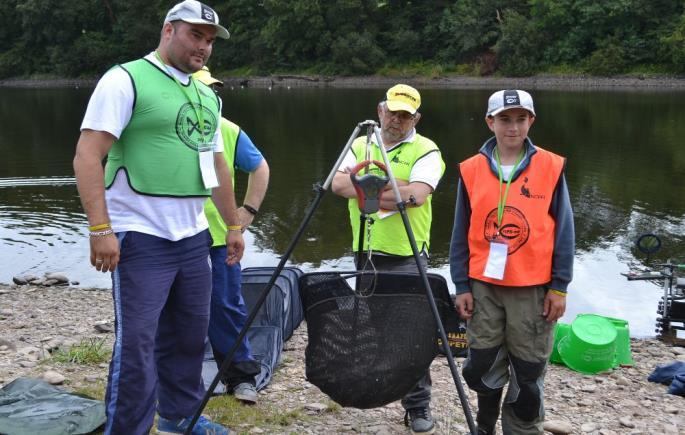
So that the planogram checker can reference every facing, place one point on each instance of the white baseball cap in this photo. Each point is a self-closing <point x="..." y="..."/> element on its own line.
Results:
<point x="194" y="12"/>
<point x="509" y="99"/>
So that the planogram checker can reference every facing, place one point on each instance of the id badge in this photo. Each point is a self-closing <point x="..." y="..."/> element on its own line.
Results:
<point x="497" y="260"/>
<point x="207" y="168"/>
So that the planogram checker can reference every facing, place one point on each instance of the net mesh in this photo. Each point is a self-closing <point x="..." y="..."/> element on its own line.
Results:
<point x="370" y="347"/>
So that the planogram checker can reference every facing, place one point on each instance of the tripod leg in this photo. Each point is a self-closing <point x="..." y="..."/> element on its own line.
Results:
<point x="321" y="190"/>
<point x="429" y="292"/>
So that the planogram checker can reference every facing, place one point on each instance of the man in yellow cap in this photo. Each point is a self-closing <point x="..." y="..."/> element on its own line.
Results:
<point x="417" y="165"/>
<point x="228" y="311"/>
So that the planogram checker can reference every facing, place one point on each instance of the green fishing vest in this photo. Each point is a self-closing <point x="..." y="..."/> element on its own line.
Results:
<point x="217" y="227"/>
<point x="388" y="235"/>
<point x="158" y="149"/>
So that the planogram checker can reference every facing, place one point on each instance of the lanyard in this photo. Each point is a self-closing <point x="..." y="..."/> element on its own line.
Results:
<point x="199" y="113"/>
<point x="503" y="199"/>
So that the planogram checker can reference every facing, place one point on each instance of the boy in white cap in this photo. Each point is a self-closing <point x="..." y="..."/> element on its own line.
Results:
<point x="511" y="260"/>
<point x="159" y="130"/>
<point x="417" y="165"/>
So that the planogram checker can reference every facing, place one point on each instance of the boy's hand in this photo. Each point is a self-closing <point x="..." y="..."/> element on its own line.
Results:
<point x="554" y="306"/>
<point x="464" y="304"/>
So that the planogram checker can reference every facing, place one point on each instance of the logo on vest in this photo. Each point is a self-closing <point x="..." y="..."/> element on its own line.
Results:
<point x="515" y="228"/>
<point x="525" y="191"/>
<point x="397" y="160"/>
<point x="188" y="126"/>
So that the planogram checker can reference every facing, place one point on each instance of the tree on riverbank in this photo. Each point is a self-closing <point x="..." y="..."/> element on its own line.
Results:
<point x="478" y="37"/>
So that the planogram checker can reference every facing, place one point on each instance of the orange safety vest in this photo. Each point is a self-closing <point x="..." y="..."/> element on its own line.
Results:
<point x="527" y="225"/>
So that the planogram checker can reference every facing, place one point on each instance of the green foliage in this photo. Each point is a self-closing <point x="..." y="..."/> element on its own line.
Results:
<point x="517" y="48"/>
<point x="609" y="59"/>
<point x="356" y="54"/>
<point x="675" y="46"/>
<point x="231" y="412"/>
<point x="511" y="37"/>
<point x="90" y="351"/>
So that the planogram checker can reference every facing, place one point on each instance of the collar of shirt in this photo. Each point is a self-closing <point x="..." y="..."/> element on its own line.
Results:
<point x="408" y="138"/>
<point x="181" y="76"/>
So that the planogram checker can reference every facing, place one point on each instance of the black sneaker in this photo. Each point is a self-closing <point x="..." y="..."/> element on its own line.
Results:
<point x="419" y="420"/>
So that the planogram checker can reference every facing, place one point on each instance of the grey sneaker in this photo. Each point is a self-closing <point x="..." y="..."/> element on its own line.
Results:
<point x="246" y="393"/>
<point x="419" y="420"/>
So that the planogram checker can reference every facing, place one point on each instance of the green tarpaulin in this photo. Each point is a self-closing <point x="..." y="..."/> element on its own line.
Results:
<point x="31" y="406"/>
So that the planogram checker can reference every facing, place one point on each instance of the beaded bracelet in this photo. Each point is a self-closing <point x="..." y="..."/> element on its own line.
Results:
<point x="102" y="233"/>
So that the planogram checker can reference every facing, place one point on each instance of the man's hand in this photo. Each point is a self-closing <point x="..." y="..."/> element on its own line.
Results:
<point x="245" y="217"/>
<point x="104" y="252"/>
<point x="235" y="246"/>
<point x="554" y="306"/>
<point x="464" y="304"/>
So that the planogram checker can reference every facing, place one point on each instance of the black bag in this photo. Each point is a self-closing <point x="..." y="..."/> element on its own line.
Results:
<point x="266" y="344"/>
<point x="282" y="306"/>
<point x="274" y="323"/>
<point x="455" y="329"/>
<point x="370" y="348"/>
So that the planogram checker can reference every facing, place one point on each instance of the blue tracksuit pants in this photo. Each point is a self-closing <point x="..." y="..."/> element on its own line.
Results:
<point x="161" y="291"/>
<point x="227" y="318"/>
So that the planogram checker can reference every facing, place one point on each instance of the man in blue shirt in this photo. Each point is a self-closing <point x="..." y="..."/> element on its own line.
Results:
<point x="228" y="311"/>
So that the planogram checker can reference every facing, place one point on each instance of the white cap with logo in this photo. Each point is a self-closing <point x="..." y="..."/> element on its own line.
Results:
<point x="194" y="12"/>
<point x="509" y="99"/>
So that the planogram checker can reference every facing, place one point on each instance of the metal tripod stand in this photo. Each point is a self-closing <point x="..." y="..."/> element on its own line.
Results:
<point x="372" y="128"/>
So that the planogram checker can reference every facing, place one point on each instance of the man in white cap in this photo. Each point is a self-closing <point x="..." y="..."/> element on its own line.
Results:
<point x="158" y="129"/>
<point x="511" y="260"/>
<point x="417" y="165"/>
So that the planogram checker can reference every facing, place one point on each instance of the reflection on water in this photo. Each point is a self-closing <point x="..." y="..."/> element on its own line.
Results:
<point x="626" y="173"/>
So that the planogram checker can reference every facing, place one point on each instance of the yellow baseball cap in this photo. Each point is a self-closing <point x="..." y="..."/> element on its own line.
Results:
<point x="403" y="97"/>
<point x="205" y="77"/>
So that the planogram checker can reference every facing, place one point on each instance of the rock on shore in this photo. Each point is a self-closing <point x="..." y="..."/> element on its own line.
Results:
<point x="34" y="321"/>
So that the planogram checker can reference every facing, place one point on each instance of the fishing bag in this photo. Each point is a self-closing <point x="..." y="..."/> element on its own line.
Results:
<point x="282" y="306"/>
<point x="371" y="346"/>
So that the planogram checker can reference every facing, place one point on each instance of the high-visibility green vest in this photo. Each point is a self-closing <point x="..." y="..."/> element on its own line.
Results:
<point x="388" y="235"/>
<point x="217" y="227"/>
<point x="158" y="149"/>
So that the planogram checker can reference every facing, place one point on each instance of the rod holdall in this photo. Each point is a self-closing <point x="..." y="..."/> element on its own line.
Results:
<point x="369" y="187"/>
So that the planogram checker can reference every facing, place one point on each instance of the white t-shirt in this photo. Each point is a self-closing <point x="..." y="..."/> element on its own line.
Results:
<point x="506" y="169"/>
<point x="109" y="109"/>
<point x="426" y="170"/>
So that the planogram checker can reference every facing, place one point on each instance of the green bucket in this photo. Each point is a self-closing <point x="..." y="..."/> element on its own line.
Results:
<point x="560" y="331"/>
<point x="624" y="357"/>
<point x="590" y="346"/>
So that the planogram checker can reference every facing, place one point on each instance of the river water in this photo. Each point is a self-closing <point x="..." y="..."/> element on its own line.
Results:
<point x="626" y="172"/>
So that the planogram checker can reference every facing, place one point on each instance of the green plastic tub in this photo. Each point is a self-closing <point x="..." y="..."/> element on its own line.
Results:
<point x="590" y="346"/>
<point x="560" y="331"/>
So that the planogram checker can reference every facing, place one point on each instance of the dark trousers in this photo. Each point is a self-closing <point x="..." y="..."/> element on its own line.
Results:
<point x="227" y="318"/>
<point x="420" y="395"/>
<point x="161" y="291"/>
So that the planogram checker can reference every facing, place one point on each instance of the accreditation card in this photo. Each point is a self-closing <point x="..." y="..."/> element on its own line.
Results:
<point x="207" y="168"/>
<point x="497" y="260"/>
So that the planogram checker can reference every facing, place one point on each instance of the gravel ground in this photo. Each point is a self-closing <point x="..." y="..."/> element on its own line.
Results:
<point x="35" y="321"/>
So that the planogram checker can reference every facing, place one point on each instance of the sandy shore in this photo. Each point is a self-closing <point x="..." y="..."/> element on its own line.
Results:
<point x="35" y="322"/>
<point x="556" y="82"/>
